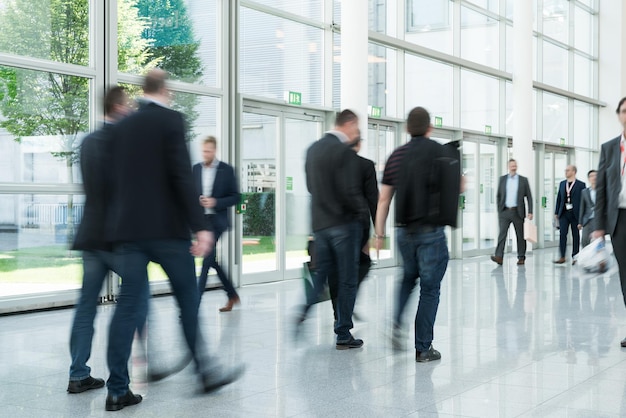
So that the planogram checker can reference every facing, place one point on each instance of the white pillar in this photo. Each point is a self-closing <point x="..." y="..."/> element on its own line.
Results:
<point x="523" y="105"/>
<point x="354" y="66"/>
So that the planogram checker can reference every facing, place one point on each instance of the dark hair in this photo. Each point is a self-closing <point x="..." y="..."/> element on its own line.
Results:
<point x="512" y="160"/>
<point x="621" y="102"/>
<point x="344" y="117"/>
<point x="418" y="121"/>
<point x="591" y="172"/>
<point x="154" y="81"/>
<point x="114" y="96"/>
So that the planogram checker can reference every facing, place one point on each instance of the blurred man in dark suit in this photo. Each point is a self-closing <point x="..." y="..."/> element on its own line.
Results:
<point x="587" y="205"/>
<point x="567" y="210"/>
<point x="154" y="211"/>
<point x="216" y="187"/>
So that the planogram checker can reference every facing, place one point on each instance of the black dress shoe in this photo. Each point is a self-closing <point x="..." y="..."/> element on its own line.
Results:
<point x="215" y="380"/>
<point x="623" y="343"/>
<point x="429" y="355"/>
<point x="79" y="386"/>
<point x="351" y="343"/>
<point x="115" y="403"/>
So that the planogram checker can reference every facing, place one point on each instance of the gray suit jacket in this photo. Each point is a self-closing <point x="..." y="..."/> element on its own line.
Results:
<point x="608" y="186"/>
<point x="586" y="207"/>
<point x="523" y="190"/>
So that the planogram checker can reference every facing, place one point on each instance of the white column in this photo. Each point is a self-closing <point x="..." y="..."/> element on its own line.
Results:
<point x="523" y="94"/>
<point x="354" y="67"/>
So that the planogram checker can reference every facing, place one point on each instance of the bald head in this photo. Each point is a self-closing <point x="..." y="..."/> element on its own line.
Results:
<point x="570" y="172"/>
<point x="154" y="85"/>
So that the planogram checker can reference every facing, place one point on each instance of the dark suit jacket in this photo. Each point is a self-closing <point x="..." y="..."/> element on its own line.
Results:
<point x="95" y="167"/>
<point x="332" y="178"/>
<point x="523" y="191"/>
<point x="225" y="192"/>
<point x="153" y="191"/>
<point x="608" y="186"/>
<point x="575" y="194"/>
<point x="369" y="185"/>
<point x="586" y="207"/>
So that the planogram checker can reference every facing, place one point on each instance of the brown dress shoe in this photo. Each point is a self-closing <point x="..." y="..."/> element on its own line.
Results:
<point x="521" y="261"/>
<point x="230" y="304"/>
<point x="496" y="259"/>
<point x="560" y="261"/>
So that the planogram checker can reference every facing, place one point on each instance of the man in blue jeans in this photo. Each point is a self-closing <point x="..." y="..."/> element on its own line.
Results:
<point x="97" y="256"/>
<point x="422" y="242"/>
<point x="337" y="210"/>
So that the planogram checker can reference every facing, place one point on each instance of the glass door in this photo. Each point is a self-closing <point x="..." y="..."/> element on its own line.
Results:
<point x="555" y="161"/>
<point x="275" y="213"/>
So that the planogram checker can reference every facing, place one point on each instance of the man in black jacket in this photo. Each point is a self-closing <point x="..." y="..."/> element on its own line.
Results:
<point x="337" y="210"/>
<point x="95" y="164"/>
<point x="154" y="211"/>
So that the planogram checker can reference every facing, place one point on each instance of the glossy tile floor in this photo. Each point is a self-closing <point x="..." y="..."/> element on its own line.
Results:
<point x="533" y="341"/>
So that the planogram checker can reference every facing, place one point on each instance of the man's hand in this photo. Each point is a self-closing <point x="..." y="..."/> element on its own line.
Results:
<point x="207" y="202"/>
<point x="203" y="244"/>
<point x="530" y="216"/>
<point x="580" y="227"/>
<point x="598" y="233"/>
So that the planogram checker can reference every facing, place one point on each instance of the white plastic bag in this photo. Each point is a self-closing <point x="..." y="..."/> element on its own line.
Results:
<point x="594" y="258"/>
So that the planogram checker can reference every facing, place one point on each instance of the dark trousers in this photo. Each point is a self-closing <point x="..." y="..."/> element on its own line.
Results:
<point x="132" y="258"/>
<point x="96" y="265"/>
<point x="505" y="218"/>
<point x="337" y="250"/>
<point x="425" y="257"/>
<point x="210" y="261"/>
<point x="568" y="220"/>
<point x="618" y="239"/>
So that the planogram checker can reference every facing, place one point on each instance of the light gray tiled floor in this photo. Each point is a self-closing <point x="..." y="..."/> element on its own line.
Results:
<point x="533" y="341"/>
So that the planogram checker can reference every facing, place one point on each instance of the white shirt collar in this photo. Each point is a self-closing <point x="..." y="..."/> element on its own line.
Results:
<point x="214" y="164"/>
<point x="342" y="137"/>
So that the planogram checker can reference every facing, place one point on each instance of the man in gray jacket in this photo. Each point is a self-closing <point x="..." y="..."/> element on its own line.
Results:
<point x="512" y="189"/>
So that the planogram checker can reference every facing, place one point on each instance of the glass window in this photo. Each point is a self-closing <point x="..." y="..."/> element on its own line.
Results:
<point x="583" y="75"/>
<point x="336" y="71"/>
<point x="429" y="84"/>
<point x="429" y="24"/>
<point x="555" y="117"/>
<point x="583" y="35"/>
<point x="556" y="19"/>
<point x="479" y="38"/>
<point x="479" y="102"/>
<point x="278" y="56"/>
<point x="34" y="236"/>
<point x="510" y="52"/>
<point x="382" y="79"/>
<point x="555" y="65"/>
<point x="203" y="118"/>
<point x="583" y="121"/>
<point x="307" y="8"/>
<point x="44" y="118"/>
<point x="491" y="5"/>
<point x="584" y="163"/>
<point x="178" y="36"/>
<point x="53" y="30"/>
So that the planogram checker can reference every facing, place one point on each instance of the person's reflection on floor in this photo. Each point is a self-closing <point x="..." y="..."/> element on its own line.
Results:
<point x="568" y="315"/>
<point x="512" y="332"/>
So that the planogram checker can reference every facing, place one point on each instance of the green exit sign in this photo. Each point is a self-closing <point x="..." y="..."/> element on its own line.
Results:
<point x="293" y="98"/>
<point x="376" y="111"/>
<point x="488" y="129"/>
<point x="562" y="141"/>
<point x="438" y="121"/>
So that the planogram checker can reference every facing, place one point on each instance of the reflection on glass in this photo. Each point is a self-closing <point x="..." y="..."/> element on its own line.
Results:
<point x="280" y="55"/>
<point x="43" y="118"/>
<point x="52" y="30"/>
<point x="487" y="190"/>
<point x="583" y="75"/>
<point x="555" y="112"/>
<point x="491" y="5"/>
<point x="479" y="102"/>
<point x="555" y="15"/>
<point x="480" y="38"/>
<point x="297" y="197"/>
<point x="258" y="185"/>
<point x="470" y="219"/>
<point x="550" y="196"/>
<point x="35" y="232"/>
<point x="311" y="9"/>
<point x="178" y="36"/>
<point x="583" y="116"/>
<point x="583" y="35"/>
<point x="430" y="84"/>
<point x="382" y="76"/>
<point x="429" y="24"/>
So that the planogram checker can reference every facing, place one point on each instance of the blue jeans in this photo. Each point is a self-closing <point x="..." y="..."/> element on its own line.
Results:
<point x="210" y="261"/>
<point x="96" y="265"/>
<point x="337" y="250"/>
<point x="425" y="256"/>
<point x="133" y="257"/>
